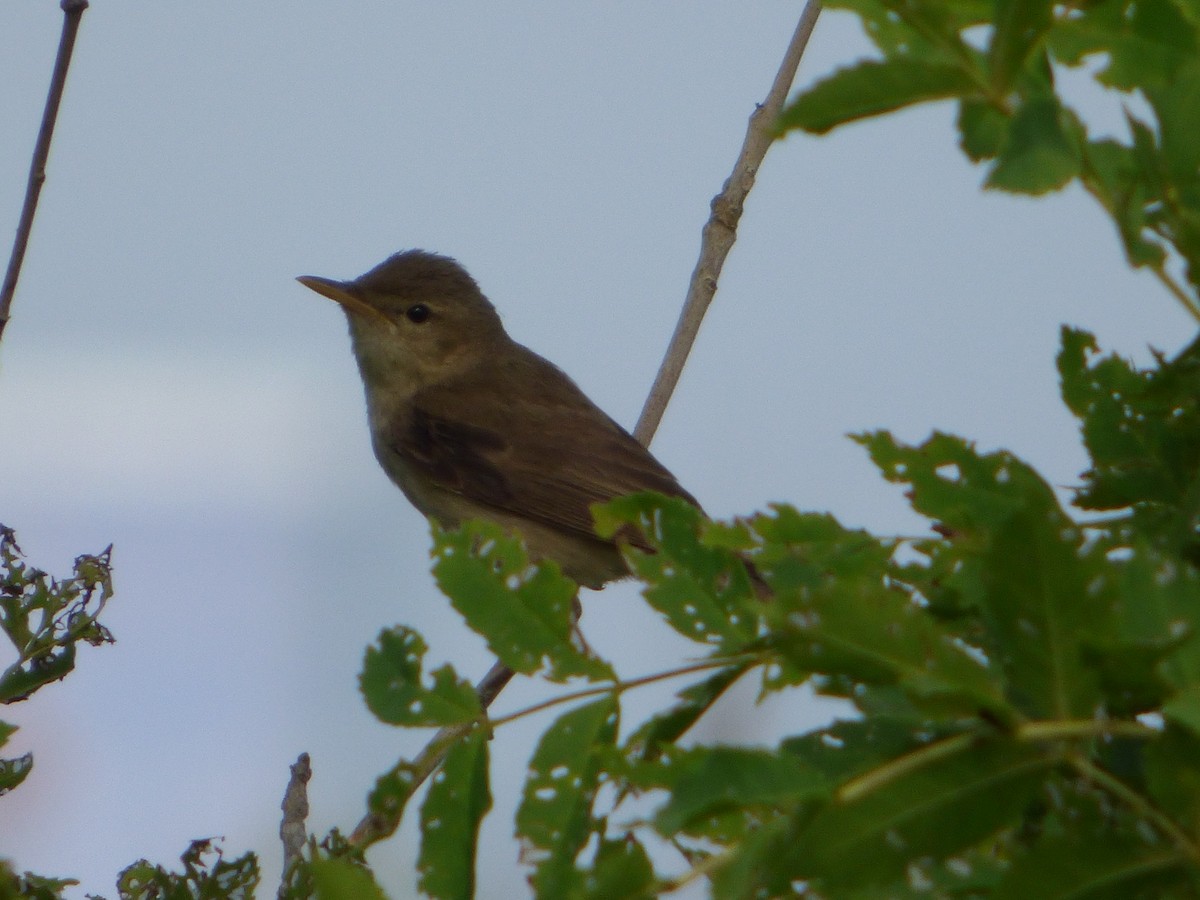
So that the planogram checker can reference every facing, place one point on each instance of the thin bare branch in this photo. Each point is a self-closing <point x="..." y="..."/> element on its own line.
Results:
<point x="292" y="830"/>
<point x="72" y="14"/>
<point x="717" y="239"/>
<point x="721" y="229"/>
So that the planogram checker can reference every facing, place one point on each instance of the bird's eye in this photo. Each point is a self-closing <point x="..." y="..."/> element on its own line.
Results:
<point x="418" y="313"/>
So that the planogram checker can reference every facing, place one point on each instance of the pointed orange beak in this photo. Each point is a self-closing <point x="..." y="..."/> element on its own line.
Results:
<point x="343" y="292"/>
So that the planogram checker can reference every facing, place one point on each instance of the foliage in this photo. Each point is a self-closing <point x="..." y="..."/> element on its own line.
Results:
<point x="44" y="619"/>
<point x="998" y="61"/>
<point x="1023" y="682"/>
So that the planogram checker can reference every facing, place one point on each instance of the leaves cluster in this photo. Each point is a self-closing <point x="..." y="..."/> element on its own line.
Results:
<point x="997" y="59"/>
<point x="44" y="620"/>
<point x="1026" y="681"/>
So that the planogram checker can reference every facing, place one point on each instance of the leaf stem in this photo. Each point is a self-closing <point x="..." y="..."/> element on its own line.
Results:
<point x="1136" y="802"/>
<point x="619" y="687"/>
<point x="864" y="784"/>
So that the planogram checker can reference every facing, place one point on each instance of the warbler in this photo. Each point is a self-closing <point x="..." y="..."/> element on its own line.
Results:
<point x="470" y="424"/>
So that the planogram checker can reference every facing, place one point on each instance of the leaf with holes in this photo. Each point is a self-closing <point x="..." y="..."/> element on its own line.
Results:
<point x="395" y="691"/>
<point x="554" y="820"/>
<point x="457" y="801"/>
<point x="524" y="610"/>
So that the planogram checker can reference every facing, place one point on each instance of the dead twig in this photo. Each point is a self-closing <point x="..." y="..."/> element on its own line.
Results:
<point x="72" y="13"/>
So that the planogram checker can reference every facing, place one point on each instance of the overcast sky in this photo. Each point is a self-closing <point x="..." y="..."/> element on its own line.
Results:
<point x="166" y="386"/>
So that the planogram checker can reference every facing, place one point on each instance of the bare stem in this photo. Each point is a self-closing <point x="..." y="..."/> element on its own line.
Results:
<point x="72" y="13"/>
<point x="720" y="231"/>
<point x="292" y="830"/>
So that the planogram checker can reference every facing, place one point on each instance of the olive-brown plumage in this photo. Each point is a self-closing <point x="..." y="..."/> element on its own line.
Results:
<point x="471" y="424"/>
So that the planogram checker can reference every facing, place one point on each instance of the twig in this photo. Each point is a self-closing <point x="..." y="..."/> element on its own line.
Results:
<point x="716" y="240"/>
<point x="72" y="13"/>
<point x="720" y="231"/>
<point x="292" y="830"/>
<point x="375" y="826"/>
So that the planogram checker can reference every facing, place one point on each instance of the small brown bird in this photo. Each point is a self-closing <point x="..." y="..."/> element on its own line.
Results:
<point x="471" y="424"/>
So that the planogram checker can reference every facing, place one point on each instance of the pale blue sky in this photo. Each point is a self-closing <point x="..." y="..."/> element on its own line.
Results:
<point x="168" y="387"/>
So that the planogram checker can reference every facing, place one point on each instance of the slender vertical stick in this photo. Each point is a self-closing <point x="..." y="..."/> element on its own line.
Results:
<point x="721" y="229"/>
<point x="72" y="14"/>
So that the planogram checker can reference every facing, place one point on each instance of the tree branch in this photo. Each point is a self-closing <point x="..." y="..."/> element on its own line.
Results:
<point x="72" y="13"/>
<point x="717" y="238"/>
<point x="720" y="231"/>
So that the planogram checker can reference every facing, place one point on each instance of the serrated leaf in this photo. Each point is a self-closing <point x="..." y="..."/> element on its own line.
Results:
<point x="340" y="879"/>
<point x="206" y="873"/>
<point x="869" y="633"/>
<point x="871" y="832"/>
<point x="1177" y="106"/>
<point x="870" y="88"/>
<point x="554" y="819"/>
<point x="666" y="727"/>
<point x="1068" y="868"/>
<point x="622" y="869"/>
<point x="1022" y="559"/>
<point x="392" y="684"/>
<point x="982" y="129"/>
<point x="1144" y="42"/>
<point x="847" y="749"/>
<point x="13" y="772"/>
<point x="1142" y="430"/>
<point x="714" y="779"/>
<point x="457" y="801"/>
<point x="701" y="589"/>
<point x="1040" y="153"/>
<point x="522" y="609"/>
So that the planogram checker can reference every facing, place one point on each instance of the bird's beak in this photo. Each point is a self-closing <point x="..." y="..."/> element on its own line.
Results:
<point x="342" y="292"/>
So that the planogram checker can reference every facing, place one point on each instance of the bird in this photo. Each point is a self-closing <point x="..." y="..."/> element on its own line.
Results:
<point x="471" y="424"/>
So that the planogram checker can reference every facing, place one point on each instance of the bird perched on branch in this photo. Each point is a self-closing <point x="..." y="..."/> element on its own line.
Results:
<point x="470" y="424"/>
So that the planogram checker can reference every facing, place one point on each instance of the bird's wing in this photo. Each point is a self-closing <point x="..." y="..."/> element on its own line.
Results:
<point x="546" y="459"/>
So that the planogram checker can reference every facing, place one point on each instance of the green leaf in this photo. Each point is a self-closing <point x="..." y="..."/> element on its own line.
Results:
<point x="622" y="869"/>
<point x="870" y="88"/>
<point x="340" y="879"/>
<point x="982" y="129"/>
<point x="1177" y="105"/>
<point x="457" y="801"/>
<point x="45" y="619"/>
<point x="1184" y="709"/>
<point x="1068" y="868"/>
<point x="666" y="727"/>
<point x="702" y="589"/>
<point x="523" y="610"/>
<point x="392" y="684"/>
<point x="1019" y="25"/>
<point x="848" y="749"/>
<point x="1041" y="152"/>
<point x="1145" y="42"/>
<point x="943" y="798"/>
<point x="1142" y="429"/>
<point x="554" y="819"/>
<point x="206" y="873"/>
<point x="712" y="779"/>
<point x="1172" y="777"/>
<point x="13" y="772"/>
<point x="1022" y="561"/>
